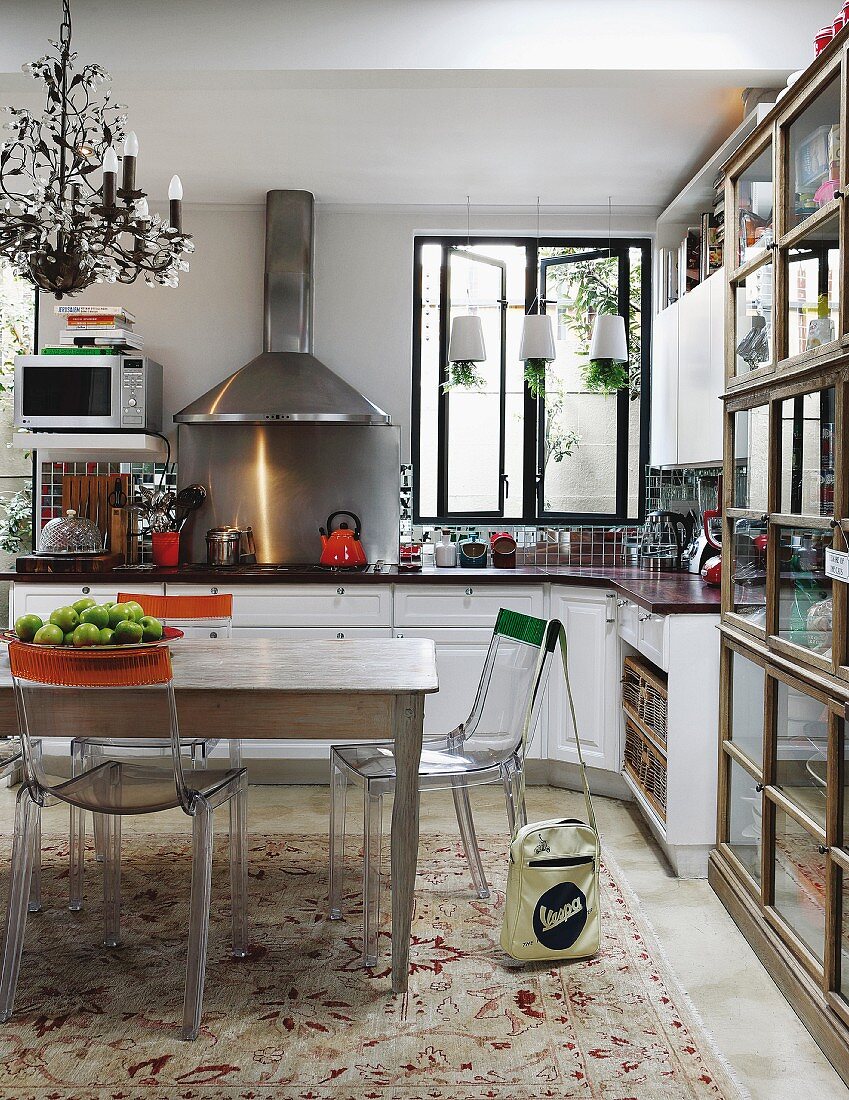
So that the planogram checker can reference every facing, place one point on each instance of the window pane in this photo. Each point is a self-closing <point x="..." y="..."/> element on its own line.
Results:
<point x="804" y="607"/>
<point x="807" y="454"/>
<point x="801" y="727"/>
<point x="474" y="414"/>
<point x="800" y="882"/>
<point x="430" y="379"/>
<point x="745" y="811"/>
<point x="580" y="426"/>
<point x="747" y="708"/>
<point x="751" y="458"/>
<point x="814" y="289"/>
<point x="748" y="549"/>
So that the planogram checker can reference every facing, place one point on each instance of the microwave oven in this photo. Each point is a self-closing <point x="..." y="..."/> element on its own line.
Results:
<point x="78" y="393"/>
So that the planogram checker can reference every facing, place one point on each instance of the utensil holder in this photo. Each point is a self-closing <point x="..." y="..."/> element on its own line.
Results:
<point x="166" y="547"/>
<point x="472" y="555"/>
<point x="503" y="549"/>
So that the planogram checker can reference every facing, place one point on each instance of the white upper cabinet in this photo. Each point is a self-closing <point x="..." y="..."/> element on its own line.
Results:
<point x="688" y="376"/>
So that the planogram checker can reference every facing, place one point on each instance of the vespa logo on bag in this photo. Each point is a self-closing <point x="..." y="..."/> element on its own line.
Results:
<point x="560" y="916"/>
<point x="542" y="846"/>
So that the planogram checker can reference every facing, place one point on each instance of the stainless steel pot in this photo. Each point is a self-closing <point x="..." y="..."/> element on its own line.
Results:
<point x="222" y="546"/>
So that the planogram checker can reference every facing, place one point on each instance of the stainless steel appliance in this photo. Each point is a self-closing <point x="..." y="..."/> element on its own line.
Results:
<point x="662" y="540"/>
<point x="78" y="393"/>
<point x="284" y="441"/>
<point x="222" y="546"/>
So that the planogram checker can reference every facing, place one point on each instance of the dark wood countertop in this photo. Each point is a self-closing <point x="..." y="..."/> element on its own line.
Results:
<point x="659" y="593"/>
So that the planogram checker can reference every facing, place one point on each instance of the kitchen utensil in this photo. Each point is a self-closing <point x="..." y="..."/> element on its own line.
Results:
<point x="445" y="552"/>
<point x="165" y="546"/>
<point x="342" y="548"/>
<point x="712" y="572"/>
<point x="472" y="554"/>
<point x="70" y="534"/>
<point x="662" y="540"/>
<point x="188" y="500"/>
<point x="222" y="546"/>
<point x="503" y="551"/>
<point x="117" y="498"/>
<point x="247" y="546"/>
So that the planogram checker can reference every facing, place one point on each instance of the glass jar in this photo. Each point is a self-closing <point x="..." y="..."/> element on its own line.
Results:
<point x="70" y="534"/>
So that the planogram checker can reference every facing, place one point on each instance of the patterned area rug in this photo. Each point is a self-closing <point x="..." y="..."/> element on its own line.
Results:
<point x="301" y="1020"/>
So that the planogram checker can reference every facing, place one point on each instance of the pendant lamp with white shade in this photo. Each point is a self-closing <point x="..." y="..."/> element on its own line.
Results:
<point x="609" y="342"/>
<point x="465" y="343"/>
<point x="536" y="346"/>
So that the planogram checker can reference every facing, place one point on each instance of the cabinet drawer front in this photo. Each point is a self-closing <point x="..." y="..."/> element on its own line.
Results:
<point x="626" y="617"/>
<point x="333" y="605"/>
<point x="464" y="605"/>
<point x="653" y="638"/>
<point x="41" y="599"/>
<point x="311" y="634"/>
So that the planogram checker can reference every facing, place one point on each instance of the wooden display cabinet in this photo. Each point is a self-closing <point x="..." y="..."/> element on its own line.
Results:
<point x="781" y="865"/>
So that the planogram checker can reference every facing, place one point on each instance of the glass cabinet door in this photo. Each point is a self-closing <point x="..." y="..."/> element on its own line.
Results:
<point x="804" y="616"/>
<point x="799" y="871"/>
<point x="807" y="454"/>
<point x="747" y="708"/>
<point x="813" y="156"/>
<point x="812" y="266"/>
<point x="753" y="320"/>
<point x="801" y="750"/>
<point x="751" y="459"/>
<point x="754" y="208"/>
<point x="744" y="822"/>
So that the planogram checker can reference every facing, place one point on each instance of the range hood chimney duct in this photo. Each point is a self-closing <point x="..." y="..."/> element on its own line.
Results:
<point x="286" y="383"/>
<point x="288" y="300"/>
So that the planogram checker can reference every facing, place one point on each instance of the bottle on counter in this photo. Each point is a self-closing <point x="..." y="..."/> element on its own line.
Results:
<point x="445" y="552"/>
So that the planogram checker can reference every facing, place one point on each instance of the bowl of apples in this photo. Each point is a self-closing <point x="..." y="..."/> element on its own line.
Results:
<point x="88" y="624"/>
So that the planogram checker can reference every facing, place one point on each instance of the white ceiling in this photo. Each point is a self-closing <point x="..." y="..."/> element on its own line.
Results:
<point x="425" y="101"/>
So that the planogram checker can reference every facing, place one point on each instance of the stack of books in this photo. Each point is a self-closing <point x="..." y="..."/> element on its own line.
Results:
<point x="95" y="330"/>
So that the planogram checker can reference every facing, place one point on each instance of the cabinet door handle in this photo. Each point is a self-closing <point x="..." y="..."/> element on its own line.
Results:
<point x="610" y="617"/>
<point x="621" y="603"/>
<point x="213" y="633"/>
<point x="340" y="635"/>
<point x="213" y="591"/>
<point x="86" y="590"/>
<point x="470" y="592"/>
<point x="399" y="635"/>
<point x="340" y="591"/>
<point x="645" y="618"/>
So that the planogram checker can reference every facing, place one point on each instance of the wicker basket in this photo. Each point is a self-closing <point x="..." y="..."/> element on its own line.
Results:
<point x="646" y="765"/>
<point x="644" y="697"/>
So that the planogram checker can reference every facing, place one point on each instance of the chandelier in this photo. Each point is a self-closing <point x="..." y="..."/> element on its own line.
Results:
<point x="65" y="222"/>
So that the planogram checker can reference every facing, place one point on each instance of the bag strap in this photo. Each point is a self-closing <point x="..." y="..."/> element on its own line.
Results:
<point x="587" y="797"/>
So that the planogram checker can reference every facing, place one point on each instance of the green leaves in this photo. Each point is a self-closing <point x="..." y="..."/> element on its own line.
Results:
<point x="464" y="375"/>
<point x="605" y="375"/>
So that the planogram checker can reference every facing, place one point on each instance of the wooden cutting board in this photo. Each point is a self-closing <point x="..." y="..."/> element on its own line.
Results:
<point x="88" y="496"/>
<point x="68" y="563"/>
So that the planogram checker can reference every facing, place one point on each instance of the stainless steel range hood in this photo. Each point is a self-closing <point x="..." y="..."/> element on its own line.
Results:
<point x="286" y="382"/>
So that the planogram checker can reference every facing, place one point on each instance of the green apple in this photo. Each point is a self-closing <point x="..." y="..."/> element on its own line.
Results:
<point x="106" y="636"/>
<point x="69" y="638"/>
<point x="65" y="618"/>
<point x="80" y="605"/>
<point x="86" y="634"/>
<point x="137" y="610"/>
<point x="50" y="634"/>
<point x="127" y="633"/>
<point x="26" y="627"/>
<point x="152" y="628"/>
<point x="108" y="603"/>
<point x="119" y="613"/>
<point x="95" y="614"/>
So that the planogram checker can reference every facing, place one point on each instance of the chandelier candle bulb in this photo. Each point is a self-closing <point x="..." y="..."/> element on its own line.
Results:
<point x="175" y="203"/>
<point x="110" y="177"/>
<point x="131" y="152"/>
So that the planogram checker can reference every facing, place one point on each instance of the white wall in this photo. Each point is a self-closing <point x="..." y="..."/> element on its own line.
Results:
<point x="212" y="324"/>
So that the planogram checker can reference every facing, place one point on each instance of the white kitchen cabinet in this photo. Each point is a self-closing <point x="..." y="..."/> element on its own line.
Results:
<point x="312" y="634"/>
<point x="701" y="371"/>
<point x="627" y="613"/>
<point x="664" y="388"/>
<point x="589" y="618"/>
<point x="334" y="606"/>
<point x="688" y="376"/>
<point x="40" y="599"/>
<point x="466" y="606"/>
<point x="653" y="637"/>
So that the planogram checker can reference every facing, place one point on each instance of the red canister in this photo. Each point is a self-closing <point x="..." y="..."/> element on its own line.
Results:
<point x="822" y="39"/>
<point x="839" y="23"/>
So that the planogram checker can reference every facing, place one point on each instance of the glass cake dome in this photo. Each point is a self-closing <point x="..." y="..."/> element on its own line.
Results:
<point x="70" y="534"/>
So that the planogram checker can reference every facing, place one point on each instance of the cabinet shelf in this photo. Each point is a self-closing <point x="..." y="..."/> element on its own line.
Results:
<point x="92" y="446"/>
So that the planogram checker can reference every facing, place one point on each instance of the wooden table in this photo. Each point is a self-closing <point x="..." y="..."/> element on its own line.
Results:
<point x="342" y="690"/>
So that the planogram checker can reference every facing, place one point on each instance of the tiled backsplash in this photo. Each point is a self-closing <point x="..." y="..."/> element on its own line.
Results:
<point x="583" y="544"/>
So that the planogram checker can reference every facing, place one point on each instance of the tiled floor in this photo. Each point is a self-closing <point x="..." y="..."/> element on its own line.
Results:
<point x="771" y="1052"/>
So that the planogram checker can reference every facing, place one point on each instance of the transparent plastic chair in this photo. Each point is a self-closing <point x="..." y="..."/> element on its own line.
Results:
<point x="198" y="616"/>
<point x="489" y="747"/>
<point x="58" y="690"/>
<point x="11" y="766"/>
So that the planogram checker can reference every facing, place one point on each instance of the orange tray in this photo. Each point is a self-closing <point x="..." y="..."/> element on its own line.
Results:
<point x="169" y="634"/>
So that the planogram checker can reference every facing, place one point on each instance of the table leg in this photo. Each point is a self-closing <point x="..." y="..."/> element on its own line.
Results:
<point x="407" y="724"/>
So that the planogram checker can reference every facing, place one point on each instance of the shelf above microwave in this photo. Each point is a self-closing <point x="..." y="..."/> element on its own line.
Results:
<point x="91" y="446"/>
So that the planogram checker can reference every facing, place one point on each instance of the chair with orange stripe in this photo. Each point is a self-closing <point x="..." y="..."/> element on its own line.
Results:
<point x="57" y="689"/>
<point x="197" y="616"/>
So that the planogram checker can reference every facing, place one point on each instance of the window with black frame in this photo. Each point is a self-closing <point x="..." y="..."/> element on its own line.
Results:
<point x="566" y="442"/>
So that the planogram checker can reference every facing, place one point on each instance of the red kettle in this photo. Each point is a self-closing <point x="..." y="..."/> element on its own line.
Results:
<point x="342" y="548"/>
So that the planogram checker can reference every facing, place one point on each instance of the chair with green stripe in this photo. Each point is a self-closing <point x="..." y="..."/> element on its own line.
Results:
<point x="489" y="747"/>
